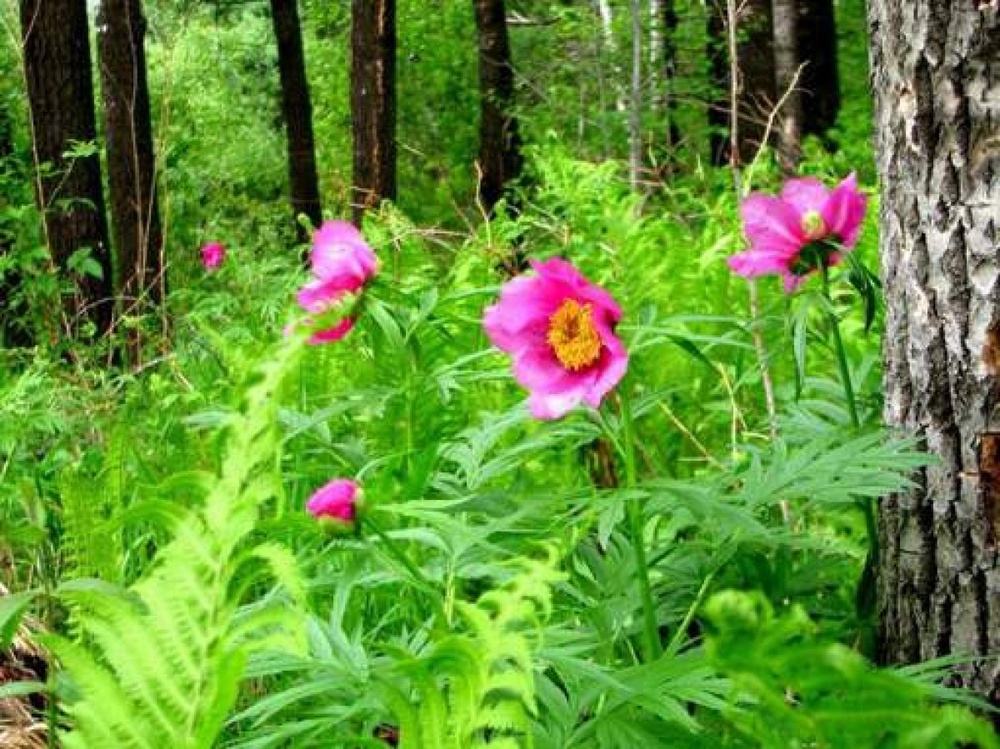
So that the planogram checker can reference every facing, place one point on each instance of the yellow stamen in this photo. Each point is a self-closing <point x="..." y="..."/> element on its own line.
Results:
<point x="813" y="225"/>
<point x="573" y="337"/>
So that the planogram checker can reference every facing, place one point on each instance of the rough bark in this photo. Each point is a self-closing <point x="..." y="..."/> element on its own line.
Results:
<point x="668" y="22"/>
<point x="786" y="64"/>
<point x="820" y="80"/>
<point x="500" y="159"/>
<point x="297" y="110"/>
<point x="61" y="102"/>
<point x="135" y="216"/>
<point x="937" y="109"/>
<point x="373" y="102"/>
<point x="755" y="84"/>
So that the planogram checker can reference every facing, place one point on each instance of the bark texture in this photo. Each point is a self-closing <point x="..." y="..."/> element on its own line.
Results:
<point x="816" y="38"/>
<point x="373" y="102"/>
<point x="936" y="79"/>
<point x="61" y="102"/>
<point x="786" y="64"/>
<point x="754" y="85"/>
<point x="499" y="140"/>
<point x="296" y="107"/>
<point x="135" y="216"/>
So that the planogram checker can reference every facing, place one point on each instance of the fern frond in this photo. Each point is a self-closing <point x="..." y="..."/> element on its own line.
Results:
<point x="161" y="668"/>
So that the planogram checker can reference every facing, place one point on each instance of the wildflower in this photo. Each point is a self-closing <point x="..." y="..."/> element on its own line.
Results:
<point x="805" y="228"/>
<point x="559" y="329"/>
<point x="212" y="255"/>
<point x="342" y="263"/>
<point x="336" y="502"/>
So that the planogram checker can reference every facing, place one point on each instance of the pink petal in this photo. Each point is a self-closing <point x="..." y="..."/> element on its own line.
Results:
<point x="319" y="295"/>
<point x="752" y="263"/>
<point x="610" y="369"/>
<point x="336" y="333"/>
<point x="340" y="250"/>
<point x="805" y="194"/>
<point x="554" y="405"/>
<point x="537" y="369"/>
<point x="772" y="225"/>
<point x="845" y="211"/>
<point x="335" y="500"/>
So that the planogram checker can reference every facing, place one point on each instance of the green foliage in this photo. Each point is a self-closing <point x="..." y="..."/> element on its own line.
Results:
<point x="794" y="689"/>
<point x="159" y="664"/>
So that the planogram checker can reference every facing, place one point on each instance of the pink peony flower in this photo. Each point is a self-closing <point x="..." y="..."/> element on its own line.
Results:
<point x="342" y="263"/>
<point x="792" y="234"/>
<point x="559" y="329"/>
<point x="212" y="255"/>
<point x="335" y="502"/>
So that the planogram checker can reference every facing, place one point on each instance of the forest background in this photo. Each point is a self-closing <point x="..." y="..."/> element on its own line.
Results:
<point x="693" y="564"/>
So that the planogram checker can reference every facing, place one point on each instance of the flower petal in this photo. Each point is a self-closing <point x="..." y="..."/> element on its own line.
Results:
<point x="845" y="211"/>
<point x="805" y="194"/>
<point x="772" y="225"/>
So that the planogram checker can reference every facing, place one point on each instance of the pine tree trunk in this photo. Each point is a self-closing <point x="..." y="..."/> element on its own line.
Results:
<point x="61" y="102"/>
<point x="755" y="84"/>
<point x="135" y="215"/>
<point x="373" y="102"/>
<point x="668" y="22"/>
<point x="820" y="80"/>
<point x="499" y="141"/>
<point x="297" y="110"/>
<point x="937" y="110"/>
<point x="786" y="65"/>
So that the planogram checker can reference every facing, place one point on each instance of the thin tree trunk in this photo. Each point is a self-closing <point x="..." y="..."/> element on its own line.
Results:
<point x="786" y="63"/>
<point x="499" y="140"/>
<point x="373" y="102"/>
<point x="664" y="60"/>
<point x="937" y="115"/>
<point x="297" y="110"/>
<point x="755" y="83"/>
<point x="61" y="102"/>
<point x="820" y="80"/>
<point x="135" y="215"/>
<point x="635" y="100"/>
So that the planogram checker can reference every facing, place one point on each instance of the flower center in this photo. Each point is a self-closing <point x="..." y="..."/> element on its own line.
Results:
<point x="813" y="225"/>
<point x="573" y="337"/>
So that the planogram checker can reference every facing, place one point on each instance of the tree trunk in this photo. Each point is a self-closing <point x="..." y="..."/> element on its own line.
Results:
<point x="499" y="141"/>
<point x="61" y="103"/>
<point x="135" y="216"/>
<point x="786" y="64"/>
<point x="635" y="99"/>
<point x="937" y="112"/>
<point x="668" y="21"/>
<point x="820" y="80"/>
<point x="373" y="102"/>
<point x="755" y="83"/>
<point x="297" y="110"/>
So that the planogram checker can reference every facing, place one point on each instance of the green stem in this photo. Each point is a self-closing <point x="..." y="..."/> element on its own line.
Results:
<point x="651" y="637"/>
<point x="415" y="572"/>
<point x="838" y="346"/>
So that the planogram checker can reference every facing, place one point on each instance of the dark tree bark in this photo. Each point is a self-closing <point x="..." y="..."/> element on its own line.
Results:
<point x="499" y="141"/>
<point x="820" y="80"/>
<point x="297" y="110"/>
<point x="668" y="25"/>
<point x="937" y="113"/>
<point x="135" y="215"/>
<point x="786" y="64"/>
<point x="61" y="102"/>
<point x="373" y="102"/>
<point x="755" y="83"/>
